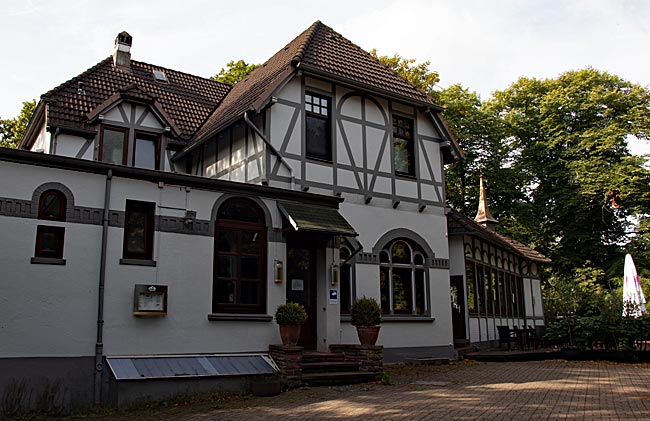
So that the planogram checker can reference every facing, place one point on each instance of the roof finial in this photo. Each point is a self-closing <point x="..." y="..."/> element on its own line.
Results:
<point x="483" y="216"/>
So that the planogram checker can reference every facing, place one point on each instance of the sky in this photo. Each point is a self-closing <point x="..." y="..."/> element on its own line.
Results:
<point x="483" y="45"/>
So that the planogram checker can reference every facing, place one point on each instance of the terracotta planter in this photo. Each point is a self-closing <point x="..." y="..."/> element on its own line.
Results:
<point x="289" y="334"/>
<point x="368" y="334"/>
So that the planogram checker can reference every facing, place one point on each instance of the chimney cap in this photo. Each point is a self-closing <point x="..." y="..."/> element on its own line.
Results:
<point x="124" y="38"/>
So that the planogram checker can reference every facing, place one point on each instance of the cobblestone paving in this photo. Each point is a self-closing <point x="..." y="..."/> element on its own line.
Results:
<point x="477" y="391"/>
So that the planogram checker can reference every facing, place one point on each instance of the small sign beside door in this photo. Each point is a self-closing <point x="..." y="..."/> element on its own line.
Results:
<point x="334" y="296"/>
<point x="297" y="285"/>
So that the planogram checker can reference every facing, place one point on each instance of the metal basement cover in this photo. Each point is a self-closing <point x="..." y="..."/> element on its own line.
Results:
<point x="179" y="366"/>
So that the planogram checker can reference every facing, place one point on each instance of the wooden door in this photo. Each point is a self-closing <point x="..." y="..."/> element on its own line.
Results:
<point x="301" y="286"/>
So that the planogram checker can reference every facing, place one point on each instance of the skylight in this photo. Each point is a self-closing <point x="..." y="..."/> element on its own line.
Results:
<point x="159" y="75"/>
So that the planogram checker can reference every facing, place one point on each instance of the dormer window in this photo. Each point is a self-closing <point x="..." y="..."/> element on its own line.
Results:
<point x="318" y="126"/>
<point x="113" y="145"/>
<point x="127" y="147"/>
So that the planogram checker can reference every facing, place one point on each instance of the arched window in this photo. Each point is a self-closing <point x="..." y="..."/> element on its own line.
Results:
<point x="240" y="258"/>
<point x="403" y="279"/>
<point x="49" y="239"/>
<point x="52" y="206"/>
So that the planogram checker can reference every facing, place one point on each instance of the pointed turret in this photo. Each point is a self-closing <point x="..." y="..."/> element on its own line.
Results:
<point x="483" y="216"/>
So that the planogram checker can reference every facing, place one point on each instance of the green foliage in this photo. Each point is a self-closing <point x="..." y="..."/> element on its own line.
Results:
<point x="12" y="130"/>
<point x="582" y="313"/>
<point x="290" y="314"/>
<point x="234" y="72"/>
<point x="365" y="312"/>
<point x="568" y="142"/>
<point x="418" y="74"/>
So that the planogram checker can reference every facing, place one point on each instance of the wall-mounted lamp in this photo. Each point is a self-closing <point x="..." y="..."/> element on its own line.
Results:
<point x="335" y="273"/>
<point x="278" y="266"/>
<point x="189" y="217"/>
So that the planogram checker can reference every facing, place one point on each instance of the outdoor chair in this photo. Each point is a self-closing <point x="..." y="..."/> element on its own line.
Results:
<point x="506" y="336"/>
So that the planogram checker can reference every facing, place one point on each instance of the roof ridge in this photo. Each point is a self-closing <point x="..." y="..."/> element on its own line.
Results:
<point x="79" y="76"/>
<point x="302" y="48"/>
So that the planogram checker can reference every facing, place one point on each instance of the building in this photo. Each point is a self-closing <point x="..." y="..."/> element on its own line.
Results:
<point x="169" y="215"/>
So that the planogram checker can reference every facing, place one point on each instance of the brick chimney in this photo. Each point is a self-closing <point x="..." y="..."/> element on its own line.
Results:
<point x="122" y="52"/>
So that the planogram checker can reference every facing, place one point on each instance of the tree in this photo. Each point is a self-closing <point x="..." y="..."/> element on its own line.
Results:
<point x="234" y="72"/>
<point x="418" y="74"/>
<point x="12" y="130"/>
<point x="569" y="144"/>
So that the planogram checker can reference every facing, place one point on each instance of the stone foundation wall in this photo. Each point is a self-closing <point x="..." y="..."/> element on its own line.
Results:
<point x="369" y="357"/>
<point x="288" y="359"/>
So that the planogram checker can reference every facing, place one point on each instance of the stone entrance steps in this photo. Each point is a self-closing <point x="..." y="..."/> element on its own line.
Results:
<point x="330" y="368"/>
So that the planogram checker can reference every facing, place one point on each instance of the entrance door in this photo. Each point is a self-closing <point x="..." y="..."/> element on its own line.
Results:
<point x="301" y="285"/>
<point x="458" y="308"/>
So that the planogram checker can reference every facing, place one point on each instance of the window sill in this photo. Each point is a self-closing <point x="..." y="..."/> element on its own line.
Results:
<point x="138" y="262"/>
<point x="387" y="318"/>
<point x="406" y="176"/>
<point x="215" y="317"/>
<point x="319" y="159"/>
<point x="47" y="261"/>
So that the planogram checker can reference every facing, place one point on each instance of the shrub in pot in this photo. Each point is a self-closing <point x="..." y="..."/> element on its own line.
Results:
<point x="366" y="316"/>
<point x="290" y="317"/>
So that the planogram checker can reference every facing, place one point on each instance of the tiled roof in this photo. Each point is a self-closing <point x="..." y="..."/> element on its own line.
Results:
<point x="330" y="52"/>
<point x="319" y="49"/>
<point x="187" y="99"/>
<point x="459" y="224"/>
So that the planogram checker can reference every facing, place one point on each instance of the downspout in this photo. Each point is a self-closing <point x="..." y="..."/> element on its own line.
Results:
<point x="273" y="149"/>
<point x="99" y="345"/>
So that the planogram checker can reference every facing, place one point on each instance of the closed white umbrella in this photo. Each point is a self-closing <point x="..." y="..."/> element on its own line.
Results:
<point x="633" y="299"/>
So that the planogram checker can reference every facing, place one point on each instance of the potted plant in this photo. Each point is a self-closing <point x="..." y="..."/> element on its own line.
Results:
<point x="290" y="317"/>
<point x="366" y="316"/>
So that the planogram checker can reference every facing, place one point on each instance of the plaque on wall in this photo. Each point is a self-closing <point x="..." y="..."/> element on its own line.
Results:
<point x="297" y="285"/>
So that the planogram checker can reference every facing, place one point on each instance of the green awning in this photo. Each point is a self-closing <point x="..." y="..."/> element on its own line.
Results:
<point x="309" y="218"/>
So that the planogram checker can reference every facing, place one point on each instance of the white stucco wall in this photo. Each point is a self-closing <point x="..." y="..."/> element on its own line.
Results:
<point x="50" y="310"/>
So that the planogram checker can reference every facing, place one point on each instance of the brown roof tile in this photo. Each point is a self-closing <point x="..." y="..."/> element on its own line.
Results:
<point x="459" y="224"/>
<point x="186" y="99"/>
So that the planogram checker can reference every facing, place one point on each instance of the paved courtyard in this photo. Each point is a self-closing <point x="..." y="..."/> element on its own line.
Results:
<point x="507" y="391"/>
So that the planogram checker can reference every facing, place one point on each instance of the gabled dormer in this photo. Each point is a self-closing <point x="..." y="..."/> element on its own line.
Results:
<point x="123" y="111"/>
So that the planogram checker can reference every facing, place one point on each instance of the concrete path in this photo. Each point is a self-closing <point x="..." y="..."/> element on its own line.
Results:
<point x="485" y="391"/>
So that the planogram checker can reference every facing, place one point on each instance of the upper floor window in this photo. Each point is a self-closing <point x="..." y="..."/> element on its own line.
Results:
<point x="138" y="230"/>
<point x="240" y="258"/>
<point x="403" y="146"/>
<point x="144" y="149"/>
<point x="403" y="284"/>
<point x="49" y="239"/>
<point x="318" y="126"/>
<point x="52" y="206"/>
<point x="113" y="144"/>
